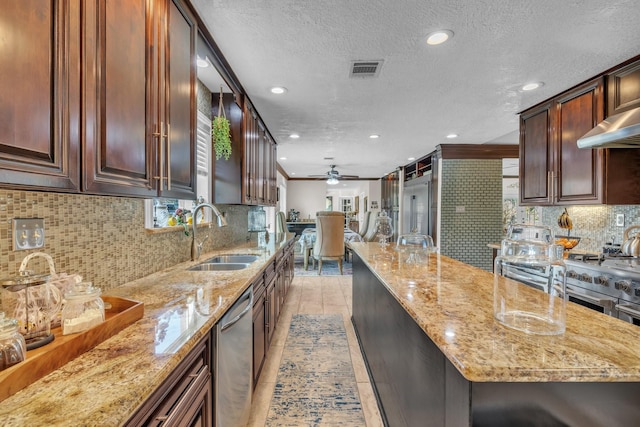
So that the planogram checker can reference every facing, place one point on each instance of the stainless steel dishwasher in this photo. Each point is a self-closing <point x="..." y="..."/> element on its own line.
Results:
<point x="233" y="364"/>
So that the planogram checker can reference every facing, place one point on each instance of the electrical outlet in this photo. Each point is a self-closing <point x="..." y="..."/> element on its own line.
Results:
<point x="28" y="233"/>
<point x="620" y="220"/>
<point x="460" y="209"/>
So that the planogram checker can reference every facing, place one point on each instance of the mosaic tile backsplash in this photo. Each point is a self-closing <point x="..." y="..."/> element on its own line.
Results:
<point x="103" y="238"/>
<point x="595" y="225"/>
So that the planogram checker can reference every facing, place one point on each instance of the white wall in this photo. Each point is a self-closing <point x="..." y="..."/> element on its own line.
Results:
<point x="309" y="197"/>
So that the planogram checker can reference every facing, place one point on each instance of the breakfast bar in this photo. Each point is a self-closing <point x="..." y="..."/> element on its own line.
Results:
<point x="436" y="355"/>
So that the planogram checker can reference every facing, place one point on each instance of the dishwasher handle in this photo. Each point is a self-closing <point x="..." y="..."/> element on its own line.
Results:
<point x="230" y="323"/>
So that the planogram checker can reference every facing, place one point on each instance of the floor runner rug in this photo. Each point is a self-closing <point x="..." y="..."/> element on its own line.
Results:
<point x="329" y="268"/>
<point x="316" y="385"/>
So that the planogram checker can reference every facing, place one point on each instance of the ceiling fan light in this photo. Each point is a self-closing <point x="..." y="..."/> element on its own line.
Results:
<point x="332" y="180"/>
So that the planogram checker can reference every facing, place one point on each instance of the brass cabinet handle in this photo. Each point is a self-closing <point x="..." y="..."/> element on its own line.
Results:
<point x="159" y="135"/>
<point x="168" y="138"/>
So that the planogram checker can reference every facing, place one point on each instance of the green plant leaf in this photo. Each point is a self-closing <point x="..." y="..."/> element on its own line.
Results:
<point x="221" y="135"/>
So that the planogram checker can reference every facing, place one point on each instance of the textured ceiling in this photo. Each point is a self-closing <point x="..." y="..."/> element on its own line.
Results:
<point x="468" y="86"/>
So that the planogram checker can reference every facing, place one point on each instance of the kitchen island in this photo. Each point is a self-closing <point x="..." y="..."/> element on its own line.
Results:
<point x="107" y="385"/>
<point x="436" y="356"/>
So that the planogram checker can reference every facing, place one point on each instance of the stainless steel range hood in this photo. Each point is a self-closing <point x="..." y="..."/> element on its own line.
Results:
<point x="619" y="131"/>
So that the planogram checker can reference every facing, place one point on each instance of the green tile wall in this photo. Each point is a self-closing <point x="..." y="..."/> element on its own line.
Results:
<point x="477" y="186"/>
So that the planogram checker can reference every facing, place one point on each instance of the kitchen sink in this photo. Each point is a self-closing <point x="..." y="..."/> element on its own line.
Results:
<point x="226" y="262"/>
<point x="232" y="259"/>
<point x="219" y="266"/>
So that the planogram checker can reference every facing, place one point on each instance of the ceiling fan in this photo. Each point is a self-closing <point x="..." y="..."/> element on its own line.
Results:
<point x="333" y="176"/>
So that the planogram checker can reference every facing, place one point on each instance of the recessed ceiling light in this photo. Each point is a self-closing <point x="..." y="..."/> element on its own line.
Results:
<point x="411" y="159"/>
<point x="294" y="136"/>
<point x="438" y="37"/>
<point x="283" y="158"/>
<point x="293" y="173"/>
<point x="278" y="90"/>
<point x="374" y="136"/>
<point x="532" y="86"/>
<point x="202" y="62"/>
<point x="452" y="135"/>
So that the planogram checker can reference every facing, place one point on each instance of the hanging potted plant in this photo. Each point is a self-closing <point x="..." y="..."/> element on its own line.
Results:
<point x="221" y="133"/>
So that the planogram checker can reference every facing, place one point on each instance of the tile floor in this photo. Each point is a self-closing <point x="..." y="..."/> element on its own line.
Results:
<point x="314" y="295"/>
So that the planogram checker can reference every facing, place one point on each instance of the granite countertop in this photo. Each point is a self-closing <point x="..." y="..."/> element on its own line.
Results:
<point x="105" y="386"/>
<point x="453" y="304"/>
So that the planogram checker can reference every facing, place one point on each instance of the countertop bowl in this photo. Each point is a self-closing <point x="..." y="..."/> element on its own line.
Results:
<point x="568" y="242"/>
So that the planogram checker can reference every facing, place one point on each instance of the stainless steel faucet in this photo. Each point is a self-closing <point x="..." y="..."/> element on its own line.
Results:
<point x="195" y="246"/>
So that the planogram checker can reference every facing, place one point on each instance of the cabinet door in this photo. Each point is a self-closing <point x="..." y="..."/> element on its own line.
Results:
<point x="117" y="151"/>
<point x="270" y="171"/>
<point x="40" y="94"/>
<point x="578" y="173"/>
<point x="260" y="164"/>
<point x="228" y="173"/>
<point x="259" y="337"/>
<point x="250" y="153"/>
<point x="535" y="156"/>
<point x="623" y="89"/>
<point x="271" y="302"/>
<point x="177" y="106"/>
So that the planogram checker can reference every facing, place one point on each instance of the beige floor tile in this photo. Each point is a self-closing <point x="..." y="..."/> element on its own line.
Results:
<point x="369" y="405"/>
<point x="359" y="368"/>
<point x="335" y="309"/>
<point x="261" y="401"/>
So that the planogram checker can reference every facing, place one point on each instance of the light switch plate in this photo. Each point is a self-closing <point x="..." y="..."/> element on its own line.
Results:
<point x="460" y="209"/>
<point x="28" y="233"/>
<point x="620" y="220"/>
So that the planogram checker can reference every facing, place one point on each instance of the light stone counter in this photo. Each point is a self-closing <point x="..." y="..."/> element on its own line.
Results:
<point x="104" y="386"/>
<point x="452" y="303"/>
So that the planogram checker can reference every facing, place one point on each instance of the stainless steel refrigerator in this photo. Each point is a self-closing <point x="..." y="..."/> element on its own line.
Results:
<point x="417" y="205"/>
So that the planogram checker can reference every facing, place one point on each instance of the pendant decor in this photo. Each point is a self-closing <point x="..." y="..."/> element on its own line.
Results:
<point x="220" y="132"/>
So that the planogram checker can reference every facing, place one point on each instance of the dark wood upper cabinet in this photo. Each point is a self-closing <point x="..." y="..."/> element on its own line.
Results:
<point x="256" y="180"/>
<point x="177" y="102"/>
<point x="577" y="174"/>
<point x="117" y="103"/>
<point x="228" y="172"/>
<point x="554" y="171"/>
<point x="140" y="108"/>
<point x="536" y="155"/>
<point x="623" y="89"/>
<point x="40" y="94"/>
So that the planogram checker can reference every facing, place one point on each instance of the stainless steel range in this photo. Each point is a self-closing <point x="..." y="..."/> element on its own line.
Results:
<point x="605" y="283"/>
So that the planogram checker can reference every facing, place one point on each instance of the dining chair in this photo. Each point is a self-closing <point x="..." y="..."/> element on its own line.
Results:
<point x="329" y="244"/>
<point x="370" y="235"/>
<point x="281" y="222"/>
<point x="365" y="224"/>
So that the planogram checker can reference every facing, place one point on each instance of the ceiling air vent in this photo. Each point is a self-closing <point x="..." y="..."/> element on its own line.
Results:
<point x="365" y="68"/>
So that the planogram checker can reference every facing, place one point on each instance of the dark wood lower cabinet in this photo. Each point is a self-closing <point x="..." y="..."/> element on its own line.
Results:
<point x="186" y="397"/>
<point x="259" y="329"/>
<point x="416" y="385"/>
<point x="269" y="293"/>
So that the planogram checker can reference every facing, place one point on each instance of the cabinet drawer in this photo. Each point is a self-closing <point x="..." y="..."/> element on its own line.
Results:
<point x="185" y="395"/>
<point x="269" y="272"/>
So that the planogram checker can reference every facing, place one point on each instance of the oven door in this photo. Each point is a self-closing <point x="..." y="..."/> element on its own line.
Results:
<point x="629" y="312"/>
<point x="534" y="277"/>
<point x="593" y="300"/>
